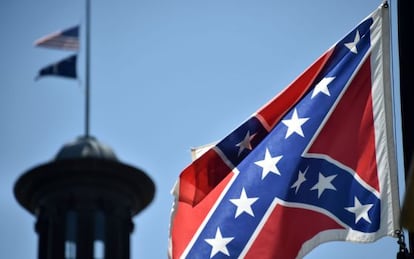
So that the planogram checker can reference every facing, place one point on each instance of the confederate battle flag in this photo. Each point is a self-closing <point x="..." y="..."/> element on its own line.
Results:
<point x="315" y="164"/>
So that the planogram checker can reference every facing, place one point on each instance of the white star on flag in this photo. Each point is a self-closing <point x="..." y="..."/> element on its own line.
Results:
<point x="324" y="183"/>
<point x="245" y="143"/>
<point x="294" y="124"/>
<point x="301" y="179"/>
<point x="360" y="211"/>
<point x="268" y="164"/>
<point x="352" y="45"/>
<point x="244" y="204"/>
<point x="219" y="243"/>
<point x="322" y="87"/>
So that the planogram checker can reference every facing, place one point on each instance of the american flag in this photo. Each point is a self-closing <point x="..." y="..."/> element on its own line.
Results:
<point x="315" y="164"/>
<point x="67" y="39"/>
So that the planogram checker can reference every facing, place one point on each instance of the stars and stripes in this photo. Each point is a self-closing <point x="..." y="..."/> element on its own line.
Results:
<point x="67" y="39"/>
<point x="310" y="169"/>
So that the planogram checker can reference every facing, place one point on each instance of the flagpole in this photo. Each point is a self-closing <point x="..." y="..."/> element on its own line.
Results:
<point x="87" y="67"/>
<point x="406" y="65"/>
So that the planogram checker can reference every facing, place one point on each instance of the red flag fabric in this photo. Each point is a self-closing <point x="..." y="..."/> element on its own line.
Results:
<point x="315" y="164"/>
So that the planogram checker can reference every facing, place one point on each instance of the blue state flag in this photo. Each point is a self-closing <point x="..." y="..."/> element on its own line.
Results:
<point x="64" y="68"/>
<point x="65" y="39"/>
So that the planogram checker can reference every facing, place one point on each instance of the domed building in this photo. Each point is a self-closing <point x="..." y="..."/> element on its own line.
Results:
<point x="84" y="201"/>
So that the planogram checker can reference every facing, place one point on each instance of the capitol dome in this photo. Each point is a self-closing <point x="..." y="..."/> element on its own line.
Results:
<point x="86" y="147"/>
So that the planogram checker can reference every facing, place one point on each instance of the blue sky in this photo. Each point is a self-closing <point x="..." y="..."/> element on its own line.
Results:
<point x="166" y="75"/>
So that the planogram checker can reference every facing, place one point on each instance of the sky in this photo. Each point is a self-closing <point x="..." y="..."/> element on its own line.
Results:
<point x="166" y="75"/>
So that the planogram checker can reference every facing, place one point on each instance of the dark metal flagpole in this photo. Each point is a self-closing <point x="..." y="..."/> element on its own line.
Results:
<point x="406" y="65"/>
<point x="87" y="67"/>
